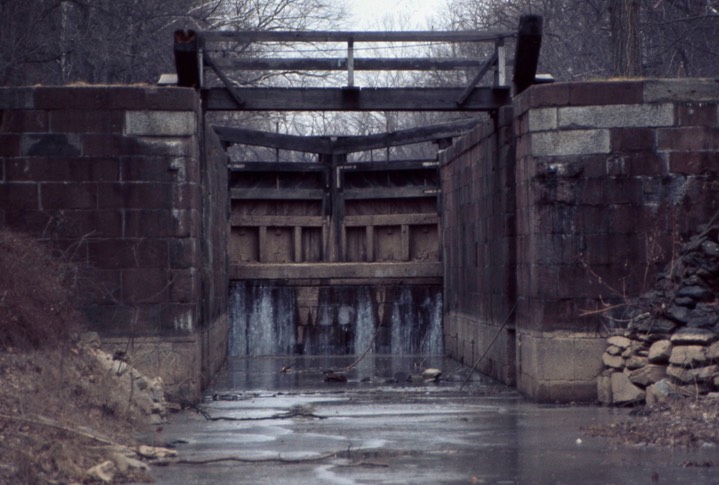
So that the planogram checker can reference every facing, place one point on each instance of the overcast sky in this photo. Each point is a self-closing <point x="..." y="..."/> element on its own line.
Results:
<point x="406" y="14"/>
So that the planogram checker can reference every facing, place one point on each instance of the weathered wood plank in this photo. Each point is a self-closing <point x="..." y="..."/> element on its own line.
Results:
<point x="276" y="194"/>
<point x="389" y="193"/>
<point x="265" y="166"/>
<point x="276" y="221"/>
<point x="366" y="99"/>
<point x="288" y="271"/>
<point x="341" y="64"/>
<point x="342" y="144"/>
<point x="390" y="220"/>
<point x="352" y="36"/>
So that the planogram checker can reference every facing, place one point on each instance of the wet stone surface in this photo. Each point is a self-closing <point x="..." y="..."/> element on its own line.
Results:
<point x="387" y="425"/>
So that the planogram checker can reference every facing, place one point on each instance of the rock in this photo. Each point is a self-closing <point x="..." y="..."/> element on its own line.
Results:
<point x="660" y="351"/>
<point x="660" y="391"/>
<point x="125" y="463"/>
<point x="679" y="314"/>
<point x="604" y="389"/>
<point x="331" y="376"/>
<point x="713" y="351"/>
<point x="431" y="374"/>
<point x="694" y="292"/>
<point x="613" y="361"/>
<point x="707" y="374"/>
<point x="693" y="336"/>
<point x="683" y="301"/>
<point x="681" y="374"/>
<point x="619" y="341"/>
<point x="688" y="355"/>
<point x="104" y="472"/>
<point x="647" y="375"/>
<point x="614" y="350"/>
<point x="710" y="248"/>
<point x="155" y="452"/>
<point x="623" y="391"/>
<point x="635" y="362"/>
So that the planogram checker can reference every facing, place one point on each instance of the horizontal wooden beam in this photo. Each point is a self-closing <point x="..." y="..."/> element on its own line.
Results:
<point x="265" y="166"/>
<point x="390" y="220"/>
<point x="366" y="99"/>
<point x="389" y="165"/>
<point x="343" y="144"/>
<point x="276" y="194"/>
<point x="244" y="136"/>
<point x="317" y="270"/>
<point x="276" y="221"/>
<point x="352" y="36"/>
<point x="340" y="64"/>
<point x="371" y="193"/>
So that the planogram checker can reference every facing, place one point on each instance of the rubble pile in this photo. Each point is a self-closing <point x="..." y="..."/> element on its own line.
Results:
<point x="671" y="345"/>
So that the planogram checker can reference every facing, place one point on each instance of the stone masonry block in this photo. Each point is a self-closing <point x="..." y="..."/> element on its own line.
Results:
<point x="61" y="169"/>
<point x="704" y="114"/>
<point x="9" y="145"/>
<point x="616" y="116"/>
<point x="68" y="195"/>
<point x="572" y="142"/>
<point x="23" y="121"/>
<point x="160" y="123"/>
<point x="693" y="138"/>
<point x="19" y="196"/>
<point x="605" y="93"/>
<point x="84" y="121"/>
<point x="17" y="98"/>
<point x="681" y="90"/>
<point x="146" y="285"/>
<point x="50" y="145"/>
<point x="542" y="119"/>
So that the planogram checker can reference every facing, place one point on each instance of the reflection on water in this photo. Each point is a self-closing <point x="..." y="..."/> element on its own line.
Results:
<point x="305" y="372"/>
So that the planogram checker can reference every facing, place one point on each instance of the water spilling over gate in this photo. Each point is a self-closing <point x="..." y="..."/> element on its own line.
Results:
<point x="266" y="320"/>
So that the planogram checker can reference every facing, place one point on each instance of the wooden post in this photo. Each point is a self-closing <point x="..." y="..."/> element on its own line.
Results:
<point x="369" y="243"/>
<point x="526" y="57"/>
<point x="262" y="244"/>
<point x="405" y="242"/>
<point x="298" y="244"/>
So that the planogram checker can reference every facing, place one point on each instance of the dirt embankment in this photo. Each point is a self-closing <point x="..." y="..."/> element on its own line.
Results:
<point x="68" y="411"/>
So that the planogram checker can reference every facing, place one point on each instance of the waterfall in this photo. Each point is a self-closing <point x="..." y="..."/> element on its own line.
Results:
<point x="264" y="319"/>
<point x="416" y="322"/>
<point x="366" y="321"/>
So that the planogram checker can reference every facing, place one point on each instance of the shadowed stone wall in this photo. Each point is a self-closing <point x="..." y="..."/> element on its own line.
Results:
<point x="478" y="225"/>
<point x="128" y="183"/>
<point x="609" y="176"/>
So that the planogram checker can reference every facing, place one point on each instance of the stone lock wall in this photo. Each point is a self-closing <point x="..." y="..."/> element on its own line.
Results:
<point x="124" y="181"/>
<point x="609" y="177"/>
<point x="478" y="224"/>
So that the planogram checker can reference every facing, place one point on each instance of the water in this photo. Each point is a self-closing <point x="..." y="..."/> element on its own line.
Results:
<point x="263" y="319"/>
<point x="402" y="320"/>
<point x="386" y="431"/>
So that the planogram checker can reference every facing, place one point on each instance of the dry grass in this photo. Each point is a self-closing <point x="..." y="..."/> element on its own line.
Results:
<point x="37" y="306"/>
<point x="61" y="411"/>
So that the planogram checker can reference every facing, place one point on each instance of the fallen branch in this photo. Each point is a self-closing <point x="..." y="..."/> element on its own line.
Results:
<point x="278" y="459"/>
<point x="44" y="421"/>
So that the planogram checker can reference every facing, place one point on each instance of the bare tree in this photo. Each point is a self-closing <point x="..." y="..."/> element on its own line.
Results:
<point x="589" y="39"/>
<point x="624" y="16"/>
